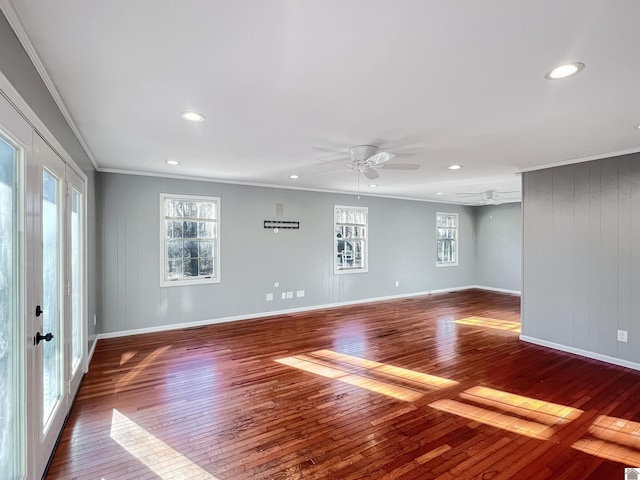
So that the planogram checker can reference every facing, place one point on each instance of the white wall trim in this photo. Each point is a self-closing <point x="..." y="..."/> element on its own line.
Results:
<point x="275" y="313"/>
<point x="479" y="287"/>
<point x="91" y="352"/>
<point x="13" y="17"/>
<point x="583" y="353"/>
<point x="499" y="290"/>
<point x="598" y="156"/>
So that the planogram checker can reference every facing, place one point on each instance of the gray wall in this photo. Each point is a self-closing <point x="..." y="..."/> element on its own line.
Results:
<point x="499" y="246"/>
<point x="401" y="247"/>
<point x="581" y="271"/>
<point x="17" y="67"/>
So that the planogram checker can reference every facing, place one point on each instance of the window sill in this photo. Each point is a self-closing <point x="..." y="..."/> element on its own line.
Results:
<point x="185" y="283"/>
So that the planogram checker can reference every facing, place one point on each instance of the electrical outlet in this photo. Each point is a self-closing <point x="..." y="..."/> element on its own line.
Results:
<point x="300" y="293"/>
<point x="289" y="294"/>
<point x="269" y="297"/>
<point x="284" y="295"/>
<point x="397" y="283"/>
<point x="622" y="336"/>
<point x="95" y="320"/>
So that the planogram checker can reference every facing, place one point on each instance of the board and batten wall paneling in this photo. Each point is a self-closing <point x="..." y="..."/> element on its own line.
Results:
<point x="402" y="247"/>
<point x="581" y="256"/>
<point x="499" y="246"/>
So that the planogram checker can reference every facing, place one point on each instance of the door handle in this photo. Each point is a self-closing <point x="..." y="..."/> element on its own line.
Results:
<point x="38" y="311"/>
<point x="39" y="337"/>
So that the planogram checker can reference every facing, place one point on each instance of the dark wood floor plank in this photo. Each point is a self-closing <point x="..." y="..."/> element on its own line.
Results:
<point x="319" y="395"/>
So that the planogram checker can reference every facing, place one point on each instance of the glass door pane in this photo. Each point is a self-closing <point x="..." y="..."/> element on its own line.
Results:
<point x="10" y="306"/>
<point x="51" y="289"/>
<point x="76" y="280"/>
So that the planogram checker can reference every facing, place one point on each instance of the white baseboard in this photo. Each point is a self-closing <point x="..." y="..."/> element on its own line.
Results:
<point x="92" y="350"/>
<point x="451" y="289"/>
<point x="583" y="353"/>
<point x="274" y="313"/>
<point x="499" y="290"/>
<point x="479" y="287"/>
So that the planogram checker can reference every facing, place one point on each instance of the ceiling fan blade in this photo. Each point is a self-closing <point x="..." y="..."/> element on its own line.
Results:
<point x="401" y="166"/>
<point x="380" y="158"/>
<point x="371" y="174"/>
<point x="335" y="171"/>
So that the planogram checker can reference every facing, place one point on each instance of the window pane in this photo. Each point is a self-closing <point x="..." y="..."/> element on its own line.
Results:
<point x="174" y="249"/>
<point x="190" y="229"/>
<point x="175" y="268"/>
<point x="174" y="229"/>
<point x="190" y="209"/>
<point x="206" y="266"/>
<point x="205" y="229"/>
<point x="206" y="249"/>
<point x="190" y="250"/>
<point x="9" y="373"/>
<point x="51" y="292"/>
<point x="205" y="210"/>
<point x="76" y="280"/>
<point x="190" y="267"/>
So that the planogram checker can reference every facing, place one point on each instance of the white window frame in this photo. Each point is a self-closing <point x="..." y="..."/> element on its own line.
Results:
<point x="215" y="276"/>
<point x="340" y="270"/>
<point x="456" y="239"/>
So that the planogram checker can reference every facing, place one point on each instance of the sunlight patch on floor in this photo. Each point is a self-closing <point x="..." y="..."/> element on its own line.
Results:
<point x="495" y="419"/>
<point x="374" y="376"/>
<point x="157" y="456"/>
<point x="537" y="410"/>
<point x="614" y="439"/>
<point x="125" y="357"/>
<point x="373" y="385"/>
<point x="430" y="381"/>
<point x="135" y="371"/>
<point x="490" y="323"/>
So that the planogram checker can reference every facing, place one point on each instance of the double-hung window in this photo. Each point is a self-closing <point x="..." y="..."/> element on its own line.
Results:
<point x="350" y="239"/>
<point x="190" y="239"/>
<point x="447" y="239"/>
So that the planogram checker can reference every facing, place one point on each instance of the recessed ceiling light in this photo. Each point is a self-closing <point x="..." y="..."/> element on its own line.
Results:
<point x="173" y="162"/>
<point x="637" y="127"/>
<point x="454" y="167"/>
<point x="438" y="193"/>
<point x="373" y="185"/>
<point x="564" y="70"/>
<point x="192" y="116"/>
<point x="294" y="176"/>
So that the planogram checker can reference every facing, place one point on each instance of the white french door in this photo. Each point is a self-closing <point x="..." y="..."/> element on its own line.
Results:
<point x="42" y="295"/>
<point x="15" y="434"/>
<point x="51" y="396"/>
<point x="75" y="329"/>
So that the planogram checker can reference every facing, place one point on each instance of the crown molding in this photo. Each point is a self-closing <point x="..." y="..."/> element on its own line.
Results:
<point x="589" y="158"/>
<point x="13" y="17"/>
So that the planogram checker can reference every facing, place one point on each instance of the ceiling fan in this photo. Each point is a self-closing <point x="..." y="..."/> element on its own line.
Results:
<point x="366" y="159"/>
<point x="488" y="197"/>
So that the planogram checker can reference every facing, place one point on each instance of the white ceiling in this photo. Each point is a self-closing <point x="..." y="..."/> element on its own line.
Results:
<point x="286" y="86"/>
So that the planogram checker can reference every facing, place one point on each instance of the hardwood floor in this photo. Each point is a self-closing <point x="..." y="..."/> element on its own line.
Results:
<point x="436" y="387"/>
